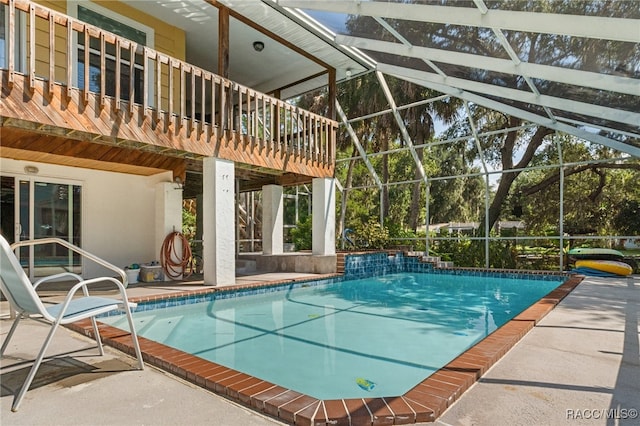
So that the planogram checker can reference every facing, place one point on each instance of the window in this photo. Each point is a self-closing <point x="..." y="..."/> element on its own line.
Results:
<point x="119" y="25"/>
<point x="20" y="28"/>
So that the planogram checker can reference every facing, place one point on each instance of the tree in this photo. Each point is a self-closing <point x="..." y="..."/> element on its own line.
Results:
<point x="458" y="199"/>
<point x="517" y="146"/>
<point x="594" y="193"/>
<point x="627" y="220"/>
<point x="505" y="147"/>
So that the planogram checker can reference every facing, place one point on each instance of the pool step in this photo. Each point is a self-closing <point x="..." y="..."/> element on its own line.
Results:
<point x="431" y="259"/>
<point x="437" y="262"/>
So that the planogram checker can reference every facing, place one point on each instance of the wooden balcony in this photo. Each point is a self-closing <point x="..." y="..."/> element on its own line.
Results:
<point x="139" y="108"/>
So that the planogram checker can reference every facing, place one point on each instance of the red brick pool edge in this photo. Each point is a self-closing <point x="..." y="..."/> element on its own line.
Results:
<point x="423" y="403"/>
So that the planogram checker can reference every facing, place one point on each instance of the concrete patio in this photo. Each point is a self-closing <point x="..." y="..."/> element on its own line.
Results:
<point x="579" y="365"/>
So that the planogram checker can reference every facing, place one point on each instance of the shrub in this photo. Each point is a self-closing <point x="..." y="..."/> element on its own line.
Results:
<point x="371" y="235"/>
<point x="301" y="235"/>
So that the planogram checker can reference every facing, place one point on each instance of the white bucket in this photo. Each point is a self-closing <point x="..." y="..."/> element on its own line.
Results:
<point x="132" y="275"/>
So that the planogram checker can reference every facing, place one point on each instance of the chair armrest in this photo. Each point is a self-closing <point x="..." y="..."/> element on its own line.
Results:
<point x="75" y="249"/>
<point x="55" y="277"/>
<point x="83" y="285"/>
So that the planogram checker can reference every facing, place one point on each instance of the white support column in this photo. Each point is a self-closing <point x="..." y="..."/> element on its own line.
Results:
<point x="168" y="214"/>
<point x="324" y="217"/>
<point x="218" y="236"/>
<point x="272" y="220"/>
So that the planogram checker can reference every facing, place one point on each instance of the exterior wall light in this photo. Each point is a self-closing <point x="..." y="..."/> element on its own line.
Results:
<point x="258" y="46"/>
<point x="179" y="184"/>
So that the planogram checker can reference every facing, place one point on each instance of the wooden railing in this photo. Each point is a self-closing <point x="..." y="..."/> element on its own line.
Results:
<point x="130" y="76"/>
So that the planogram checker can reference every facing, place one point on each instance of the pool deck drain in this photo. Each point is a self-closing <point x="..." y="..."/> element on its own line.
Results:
<point x="423" y="403"/>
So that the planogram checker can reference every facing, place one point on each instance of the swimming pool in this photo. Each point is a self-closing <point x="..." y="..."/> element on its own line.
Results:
<point x="359" y="338"/>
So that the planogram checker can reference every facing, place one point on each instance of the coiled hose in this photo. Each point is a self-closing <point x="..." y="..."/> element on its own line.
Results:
<point x="169" y="251"/>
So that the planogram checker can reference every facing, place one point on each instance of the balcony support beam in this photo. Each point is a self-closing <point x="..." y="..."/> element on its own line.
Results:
<point x="218" y="237"/>
<point x="324" y="217"/>
<point x="223" y="42"/>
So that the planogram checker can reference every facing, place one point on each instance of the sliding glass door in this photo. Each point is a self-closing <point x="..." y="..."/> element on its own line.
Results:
<point x="34" y="208"/>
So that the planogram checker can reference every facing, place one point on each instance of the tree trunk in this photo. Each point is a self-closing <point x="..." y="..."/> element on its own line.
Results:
<point x="345" y="194"/>
<point x="506" y="180"/>
<point x="415" y="207"/>
<point x="422" y="129"/>
<point x="501" y="194"/>
<point x="385" y="178"/>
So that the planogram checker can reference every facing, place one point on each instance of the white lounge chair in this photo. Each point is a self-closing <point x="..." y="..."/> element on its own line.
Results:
<point x="24" y="300"/>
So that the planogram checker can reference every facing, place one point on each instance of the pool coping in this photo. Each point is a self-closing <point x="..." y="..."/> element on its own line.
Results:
<point x="425" y="402"/>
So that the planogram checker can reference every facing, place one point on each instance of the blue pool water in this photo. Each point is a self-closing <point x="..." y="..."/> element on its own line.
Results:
<point x="352" y="339"/>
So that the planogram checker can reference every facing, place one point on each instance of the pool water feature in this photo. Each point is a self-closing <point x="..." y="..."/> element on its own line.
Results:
<point x="358" y="338"/>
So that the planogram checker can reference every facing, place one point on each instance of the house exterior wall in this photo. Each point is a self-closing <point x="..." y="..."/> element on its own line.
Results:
<point x="118" y="211"/>
<point x="126" y="216"/>
<point x="168" y="39"/>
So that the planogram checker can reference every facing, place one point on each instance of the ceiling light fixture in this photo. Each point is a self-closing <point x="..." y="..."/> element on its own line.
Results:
<point x="258" y="46"/>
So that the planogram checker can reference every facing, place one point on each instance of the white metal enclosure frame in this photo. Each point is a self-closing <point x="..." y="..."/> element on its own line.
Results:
<point x="570" y="110"/>
<point x="595" y="104"/>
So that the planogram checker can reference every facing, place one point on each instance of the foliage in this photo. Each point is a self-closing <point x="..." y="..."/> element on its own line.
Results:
<point x="459" y="199"/>
<point x="596" y="181"/>
<point x="400" y="236"/>
<point x="188" y="223"/>
<point x="370" y="235"/>
<point x="397" y="231"/>
<point x="296" y="204"/>
<point x="302" y="234"/>
<point x="594" y="194"/>
<point x="502" y="254"/>
<point x="465" y="252"/>
<point x="402" y="203"/>
<point x="627" y="220"/>
<point x="453" y="250"/>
